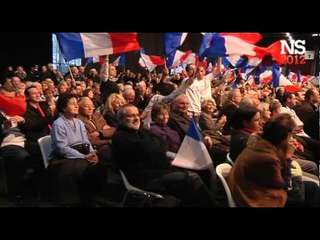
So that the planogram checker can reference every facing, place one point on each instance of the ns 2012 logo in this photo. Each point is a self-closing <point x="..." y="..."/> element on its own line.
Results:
<point x="296" y="50"/>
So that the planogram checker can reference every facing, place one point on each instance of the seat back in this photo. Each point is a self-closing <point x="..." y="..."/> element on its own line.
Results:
<point x="146" y="196"/>
<point x="222" y="171"/>
<point x="45" y="146"/>
<point x="229" y="160"/>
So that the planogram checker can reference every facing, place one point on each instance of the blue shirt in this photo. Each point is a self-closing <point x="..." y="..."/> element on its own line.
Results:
<point x="64" y="135"/>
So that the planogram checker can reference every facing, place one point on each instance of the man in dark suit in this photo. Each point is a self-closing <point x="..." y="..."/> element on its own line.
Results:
<point x="142" y="156"/>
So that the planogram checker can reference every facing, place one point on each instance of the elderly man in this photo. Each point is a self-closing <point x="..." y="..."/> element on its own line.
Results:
<point x="99" y="132"/>
<point x="142" y="156"/>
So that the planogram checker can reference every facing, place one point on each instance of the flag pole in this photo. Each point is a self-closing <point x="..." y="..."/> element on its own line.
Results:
<point x="86" y="65"/>
<point x="70" y="72"/>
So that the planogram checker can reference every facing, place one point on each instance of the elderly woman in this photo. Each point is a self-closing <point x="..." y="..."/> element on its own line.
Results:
<point x="160" y="117"/>
<point x="212" y="127"/>
<point x="74" y="166"/>
<point x="206" y="120"/>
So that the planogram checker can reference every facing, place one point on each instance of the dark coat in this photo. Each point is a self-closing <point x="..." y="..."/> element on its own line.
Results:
<point x="171" y="137"/>
<point x="140" y="154"/>
<point x="179" y="122"/>
<point x="238" y="142"/>
<point x="309" y="115"/>
<point x="35" y="125"/>
<point x="228" y="109"/>
<point x="107" y="88"/>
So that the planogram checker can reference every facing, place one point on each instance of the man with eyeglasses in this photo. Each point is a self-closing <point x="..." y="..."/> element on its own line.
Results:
<point x="142" y="156"/>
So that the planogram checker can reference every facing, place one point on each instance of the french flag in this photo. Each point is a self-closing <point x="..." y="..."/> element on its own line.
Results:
<point x="149" y="61"/>
<point x="93" y="60"/>
<point x="79" y="45"/>
<point x="189" y="57"/>
<point x="292" y="76"/>
<point x="173" y="59"/>
<point x="227" y="44"/>
<point x="266" y="77"/>
<point x="192" y="153"/>
<point x="120" y="61"/>
<point x="171" y="42"/>
<point x="279" y="79"/>
<point x="245" y="63"/>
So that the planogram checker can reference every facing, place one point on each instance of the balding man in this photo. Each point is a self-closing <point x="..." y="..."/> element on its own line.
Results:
<point x="99" y="132"/>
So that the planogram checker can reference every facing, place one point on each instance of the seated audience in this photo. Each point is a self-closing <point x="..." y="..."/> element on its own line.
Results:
<point x="76" y="172"/>
<point x="142" y="156"/>
<point x="262" y="175"/>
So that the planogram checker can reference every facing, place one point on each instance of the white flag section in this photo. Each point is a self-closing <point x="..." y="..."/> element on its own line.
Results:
<point x="116" y="62"/>
<point x="192" y="153"/>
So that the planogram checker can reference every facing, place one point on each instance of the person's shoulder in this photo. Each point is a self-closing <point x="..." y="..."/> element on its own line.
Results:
<point x="58" y="121"/>
<point x="78" y="121"/>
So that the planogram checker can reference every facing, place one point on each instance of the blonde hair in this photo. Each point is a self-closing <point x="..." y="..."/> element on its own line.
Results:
<point x="110" y="100"/>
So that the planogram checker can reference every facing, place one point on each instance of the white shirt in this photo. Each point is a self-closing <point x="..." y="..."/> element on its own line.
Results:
<point x="198" y="91"/>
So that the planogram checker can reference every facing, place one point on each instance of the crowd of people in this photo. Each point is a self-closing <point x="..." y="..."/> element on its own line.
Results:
<point x="99" y="119"/>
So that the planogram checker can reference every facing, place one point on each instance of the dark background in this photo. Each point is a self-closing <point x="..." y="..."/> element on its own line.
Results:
<point x="25" y="48"/>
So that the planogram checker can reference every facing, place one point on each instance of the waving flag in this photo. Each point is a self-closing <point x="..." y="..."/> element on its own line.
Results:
<point x="279" y="79"/>
<point x="266" y="77"/>
<point x="274" y="50"/>
<point x="79" y="45"/>
<point x="173" y="59"/>
<point x="227" y="44"/>
<point x="191" y="42"/>
<point x="189" y="57"/>
<point x="173" y="40"/>
<point x="120" y="61"/>
<point x="193" y="154"/>
<point x="93" y="59"/>
<point x="149" y="61"/>
<point x="276" y="75"/>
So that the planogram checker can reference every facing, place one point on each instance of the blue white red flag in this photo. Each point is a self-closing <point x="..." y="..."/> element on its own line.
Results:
<point x="79" y="45"/>
<point x="192" y="153"/>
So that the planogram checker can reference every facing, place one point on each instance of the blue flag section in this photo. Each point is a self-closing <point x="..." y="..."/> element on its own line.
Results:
<point x="193" y="154"/>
